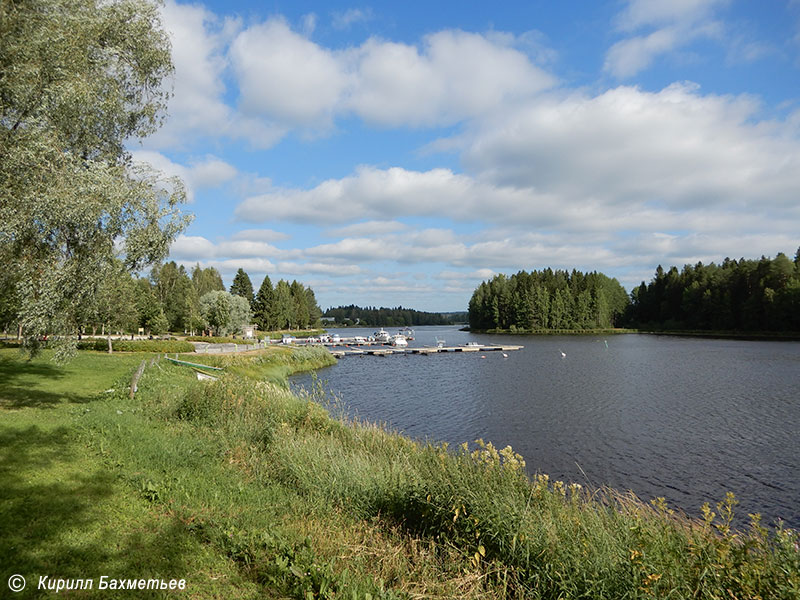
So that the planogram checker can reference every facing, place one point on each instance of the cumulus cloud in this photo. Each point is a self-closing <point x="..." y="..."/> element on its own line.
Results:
<point x="455" y="75"/>
<point x="623" y="159"/>
<point x="285" y="76"/>
<point x="675" y="148"/>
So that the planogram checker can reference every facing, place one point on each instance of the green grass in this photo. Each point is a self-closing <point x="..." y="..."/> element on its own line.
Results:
<point x="249" y="491"/>
<point x="64" y="511"/>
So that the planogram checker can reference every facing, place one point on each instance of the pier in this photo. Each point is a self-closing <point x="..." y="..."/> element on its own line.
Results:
<point x="371" y="350"/>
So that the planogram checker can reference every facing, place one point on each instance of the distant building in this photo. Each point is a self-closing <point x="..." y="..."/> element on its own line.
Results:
<point x="328" y="319"/>
<point x="249" y="331"/>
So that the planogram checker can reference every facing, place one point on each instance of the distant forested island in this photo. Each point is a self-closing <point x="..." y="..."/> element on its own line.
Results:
<point x="391" y="317"/>
<point x="548" y="300"/>
<point x="744" y="295"/>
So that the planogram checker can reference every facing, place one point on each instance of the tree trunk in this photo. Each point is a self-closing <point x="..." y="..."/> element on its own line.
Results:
<point x="110" y="347"/>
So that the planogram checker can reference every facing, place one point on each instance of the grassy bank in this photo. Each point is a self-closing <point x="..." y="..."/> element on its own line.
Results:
<point x="248" y="491"/>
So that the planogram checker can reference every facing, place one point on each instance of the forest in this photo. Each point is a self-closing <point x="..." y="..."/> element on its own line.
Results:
<point x="548" y="300"/>
<point x="737" y="295"/>
<point x="386" y="317"/>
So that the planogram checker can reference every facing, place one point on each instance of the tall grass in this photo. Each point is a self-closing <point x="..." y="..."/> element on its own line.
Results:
<point x="312" y="506"/>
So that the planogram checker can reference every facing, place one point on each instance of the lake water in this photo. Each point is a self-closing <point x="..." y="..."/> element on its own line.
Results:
<point x="684" y="418"/>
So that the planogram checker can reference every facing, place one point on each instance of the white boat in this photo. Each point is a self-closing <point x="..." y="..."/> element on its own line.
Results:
<point x="359" y="339"/>
<point x="382" y="336"/>
<point x="407" y="332"/>
<point x="399" y="340"/>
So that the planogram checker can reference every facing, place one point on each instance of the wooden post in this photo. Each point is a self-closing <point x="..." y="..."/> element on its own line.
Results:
<point x="136" y="376"/>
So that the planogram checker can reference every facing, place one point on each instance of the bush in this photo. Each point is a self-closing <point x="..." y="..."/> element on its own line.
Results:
<point x="137" y="345"/>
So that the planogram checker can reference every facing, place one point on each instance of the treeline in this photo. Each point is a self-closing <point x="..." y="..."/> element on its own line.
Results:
<point x="385" y="317"/>
<point x="196" y="301"/>
<point x="545" y="300"/>
<point x="173" y="299"/>
<point x="743" y="295"/>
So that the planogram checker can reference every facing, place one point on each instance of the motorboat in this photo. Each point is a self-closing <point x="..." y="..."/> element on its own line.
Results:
<point x="407" y="332"/>
<point x="382" y="336"/>
<point x="399" y="340"/>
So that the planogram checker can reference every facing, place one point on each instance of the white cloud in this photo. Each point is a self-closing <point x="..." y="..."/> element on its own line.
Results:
<point x="641" y="13"/>
<point x="344" y="20"/>
<point x="192" y="247"/>
<point x="284" y="76"/>
<point x="367" y="228"/>
<point x="671" y="150"/>
<point x="455" y="75"/>
<point x="385" y="194"/>
<point x="260" y="235"/>
<point x="677" y="23"/>
<point x="211" y="171"/>
<point x="208" y="172"/>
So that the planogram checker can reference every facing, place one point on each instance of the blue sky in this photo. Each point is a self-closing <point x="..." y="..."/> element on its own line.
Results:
<point x="399" y="153"/>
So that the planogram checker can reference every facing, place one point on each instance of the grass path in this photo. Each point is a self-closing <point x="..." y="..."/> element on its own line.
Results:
<point x="63" y="511"/>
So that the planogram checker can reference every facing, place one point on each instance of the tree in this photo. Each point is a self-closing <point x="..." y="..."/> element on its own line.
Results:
<point x="224" y="312"/>
<point x="172" y="286"/>
<point x="78" y="78"/>
<point x="299" y="300"/>
<point x="116" y="302"/>
<point x="262" y="306"/>
<point x="242" y="286"/>
<point x="206" y="280"/>
<point x="150" y="314"/>
<point x="282" y="306"/>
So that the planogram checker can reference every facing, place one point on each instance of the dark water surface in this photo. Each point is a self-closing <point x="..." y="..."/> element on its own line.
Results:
<point x="684" y="418"/>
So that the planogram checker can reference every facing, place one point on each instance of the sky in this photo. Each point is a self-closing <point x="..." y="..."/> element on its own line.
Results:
<point x="399" y="153"/>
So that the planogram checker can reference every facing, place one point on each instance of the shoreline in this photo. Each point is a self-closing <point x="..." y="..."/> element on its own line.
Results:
<point x="731" y="335"/>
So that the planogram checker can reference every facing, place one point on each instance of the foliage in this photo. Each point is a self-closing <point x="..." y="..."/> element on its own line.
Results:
<point x="386" y="317"/>
<point x="168" y="346"/>
<point x="547" y="300"/>
<point x="224" y="312"/>
<point x="242" y="286"/>
<point x="206" y="280"/>
<point x="743" y="295"/>
<point x="79" y="79"/>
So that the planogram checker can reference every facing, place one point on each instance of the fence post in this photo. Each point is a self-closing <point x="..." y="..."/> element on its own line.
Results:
<point x="136" y="376"/>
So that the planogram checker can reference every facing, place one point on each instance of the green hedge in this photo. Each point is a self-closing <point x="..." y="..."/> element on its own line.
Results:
<point x="137" y="345"/>
<point x="222" y="340"/>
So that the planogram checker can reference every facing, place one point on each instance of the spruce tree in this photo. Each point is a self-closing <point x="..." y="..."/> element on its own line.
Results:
<point x="242" y="286"/>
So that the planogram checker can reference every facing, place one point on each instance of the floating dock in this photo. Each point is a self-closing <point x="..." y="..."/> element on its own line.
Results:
<point x="424" y="350"/>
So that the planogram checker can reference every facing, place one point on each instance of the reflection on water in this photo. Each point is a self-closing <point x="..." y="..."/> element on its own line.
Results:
<point x="683" y="418"/>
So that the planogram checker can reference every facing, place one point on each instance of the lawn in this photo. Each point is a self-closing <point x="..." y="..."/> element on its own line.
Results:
<point x="64" y="513"/>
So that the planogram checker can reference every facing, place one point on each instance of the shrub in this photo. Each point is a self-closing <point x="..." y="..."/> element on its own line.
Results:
<point x="137" y="345"/>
